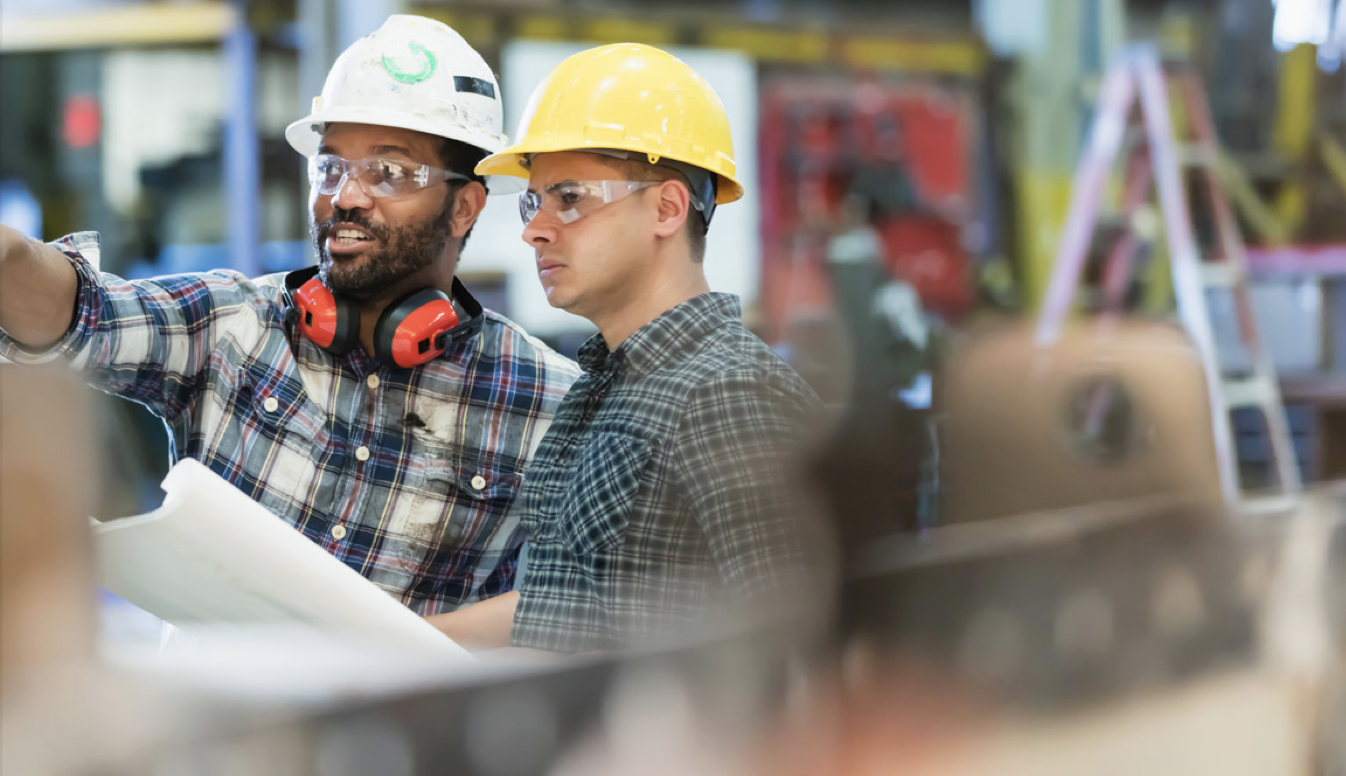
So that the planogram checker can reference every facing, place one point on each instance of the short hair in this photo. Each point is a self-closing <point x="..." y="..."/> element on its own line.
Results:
<point x="462" y="158"/>
<point x="640" y="170"/>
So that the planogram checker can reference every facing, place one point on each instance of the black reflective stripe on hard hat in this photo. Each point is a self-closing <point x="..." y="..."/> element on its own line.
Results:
<point x="466" y="83"/>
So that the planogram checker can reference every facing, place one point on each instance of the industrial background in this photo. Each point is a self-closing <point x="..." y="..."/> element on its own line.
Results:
<point x="914" y="172"/>
<point x="952" y="128"/>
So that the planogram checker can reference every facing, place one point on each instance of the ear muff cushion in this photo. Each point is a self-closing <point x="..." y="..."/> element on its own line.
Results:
<point x="331" y="321"/>
<point x="409" y="328"/>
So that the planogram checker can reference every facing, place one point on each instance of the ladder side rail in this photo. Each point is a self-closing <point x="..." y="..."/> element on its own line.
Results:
<point x="1104" y="141"/>
<point x="1233" y="253"/>
<point x="1117" y="271"/>
<point x="1203" y="131"/>
<point x="1230" y="243"/>
<point x="1183" y="256"/>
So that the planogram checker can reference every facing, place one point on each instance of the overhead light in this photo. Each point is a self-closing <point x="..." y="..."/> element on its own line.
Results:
<point x="1301" y="21"/>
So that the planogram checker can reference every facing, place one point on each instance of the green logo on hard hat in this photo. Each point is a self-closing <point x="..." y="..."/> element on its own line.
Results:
<point x="422" y="55"/>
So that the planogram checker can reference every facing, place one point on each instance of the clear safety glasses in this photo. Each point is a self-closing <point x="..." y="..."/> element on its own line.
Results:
<point x="568" y="201"/>
<point x="377" y="176"/>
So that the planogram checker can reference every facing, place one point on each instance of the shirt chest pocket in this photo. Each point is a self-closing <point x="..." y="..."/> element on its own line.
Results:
<point x="607" y="473"/>
<point x="456" y="508"/>
<point x="282" y="448"/>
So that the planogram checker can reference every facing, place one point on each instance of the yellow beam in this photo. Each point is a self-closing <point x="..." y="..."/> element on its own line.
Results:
<point x="1334" y="159"/>
<point x="543" y="27"/>
<point x="1264" y="221"/>
<point x="143" y="24"/>
<point x="769" y="44"/>
<point x="614" y="29"/>
<point x="1293" y="132"/>
<point x="885" y="53"/>
<point x="1042" y="203"/>
<point x="476" y="27"/>
<point x="806" y="43"/>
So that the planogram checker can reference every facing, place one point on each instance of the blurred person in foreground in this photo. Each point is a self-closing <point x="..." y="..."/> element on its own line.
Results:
<point x="368" y="401"/>
<point x="663" y="496"/>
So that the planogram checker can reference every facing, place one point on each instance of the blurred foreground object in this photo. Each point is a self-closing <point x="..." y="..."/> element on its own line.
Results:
<point x="48" y="484"/>
<point x="211" y="556"/>
<point x="1104" y="412"/>
<point x="1153" y="636"/>
<point x="1156" y="633"/>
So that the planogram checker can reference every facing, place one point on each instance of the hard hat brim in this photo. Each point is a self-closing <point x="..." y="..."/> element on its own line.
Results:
<point x="305" y="135"/>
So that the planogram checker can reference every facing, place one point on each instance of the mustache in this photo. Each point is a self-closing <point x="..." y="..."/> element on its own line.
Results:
<point x="340" y="216"/>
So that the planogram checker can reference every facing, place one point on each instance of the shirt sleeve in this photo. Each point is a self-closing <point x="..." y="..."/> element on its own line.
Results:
<point x="146" y="340"/>
<point x="737" y="455"/>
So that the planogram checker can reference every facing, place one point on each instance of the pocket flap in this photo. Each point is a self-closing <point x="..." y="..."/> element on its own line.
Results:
<point x="607" y="480"/>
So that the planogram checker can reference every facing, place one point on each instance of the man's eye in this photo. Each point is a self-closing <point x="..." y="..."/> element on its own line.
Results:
<point x="570" y="197"/>
<point x="392" y="171"/>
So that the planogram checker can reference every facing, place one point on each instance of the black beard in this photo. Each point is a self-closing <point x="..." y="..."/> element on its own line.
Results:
<point x="406" y="250"/>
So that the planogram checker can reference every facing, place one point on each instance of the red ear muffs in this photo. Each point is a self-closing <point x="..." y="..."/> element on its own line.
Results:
<point x="410" y="331"/>
<point x="415" y="328"/>
<point x="330" y="321"/>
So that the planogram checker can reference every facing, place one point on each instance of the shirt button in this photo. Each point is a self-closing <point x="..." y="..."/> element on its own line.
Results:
<point x="338" y="532"/>
<point x="362" y="453"/>
<point x="372" y="381"/>
<point x="271" y="404"/>
<point x="478" y="482"/>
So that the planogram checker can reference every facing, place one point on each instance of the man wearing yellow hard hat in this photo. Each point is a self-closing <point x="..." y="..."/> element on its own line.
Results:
<point x="662" y="493"/>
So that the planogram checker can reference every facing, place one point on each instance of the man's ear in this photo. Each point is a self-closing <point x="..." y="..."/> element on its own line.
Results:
<point x="674" y="200"/>
<point x="468" y="203"/>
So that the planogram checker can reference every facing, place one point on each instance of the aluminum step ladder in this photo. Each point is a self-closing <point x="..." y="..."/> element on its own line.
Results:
<point x="1154" y="154"/>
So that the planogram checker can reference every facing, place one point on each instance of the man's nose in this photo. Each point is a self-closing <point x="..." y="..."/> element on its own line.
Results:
<point x="351" y="194"/>
<point x="540" y="230"/>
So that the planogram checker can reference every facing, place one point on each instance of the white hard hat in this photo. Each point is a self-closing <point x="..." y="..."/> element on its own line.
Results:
<point x="412" y="73"/>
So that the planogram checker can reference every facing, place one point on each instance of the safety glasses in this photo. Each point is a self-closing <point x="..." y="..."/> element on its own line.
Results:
<point x="568" y="201"/>
<point x="378" y="177"/>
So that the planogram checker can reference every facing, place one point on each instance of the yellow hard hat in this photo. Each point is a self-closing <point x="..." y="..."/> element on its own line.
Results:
<point x="631" y="97"/>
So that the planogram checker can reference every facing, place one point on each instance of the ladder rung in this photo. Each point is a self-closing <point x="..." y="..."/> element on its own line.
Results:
<point x="1195" y="155"/>
<point x="1248" y="392"/>
<point x="1219" y="274"/>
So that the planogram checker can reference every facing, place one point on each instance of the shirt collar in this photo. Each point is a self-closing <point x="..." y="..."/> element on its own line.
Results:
<point x="675" y="332"/>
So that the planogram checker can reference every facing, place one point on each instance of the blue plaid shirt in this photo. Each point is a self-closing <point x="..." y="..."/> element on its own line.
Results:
<point x="406" y="475"/>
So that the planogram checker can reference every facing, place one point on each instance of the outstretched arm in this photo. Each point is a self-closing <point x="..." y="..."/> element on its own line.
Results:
<point x="38" y="287"/>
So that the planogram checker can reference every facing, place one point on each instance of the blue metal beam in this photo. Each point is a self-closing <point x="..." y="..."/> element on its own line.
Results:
<point x="242" y="152"/>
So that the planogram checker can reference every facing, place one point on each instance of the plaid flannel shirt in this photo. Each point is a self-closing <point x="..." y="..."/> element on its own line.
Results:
<point x="663" y="489"/>
<point x="406" y="475"/>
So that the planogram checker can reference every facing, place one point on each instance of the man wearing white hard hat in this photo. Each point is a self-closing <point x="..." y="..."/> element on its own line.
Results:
<point x="369" y="401"/>
<point x="663" y="499"/>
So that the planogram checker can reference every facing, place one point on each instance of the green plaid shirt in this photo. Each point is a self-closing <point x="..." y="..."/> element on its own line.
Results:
<point x="663" y="488"/>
